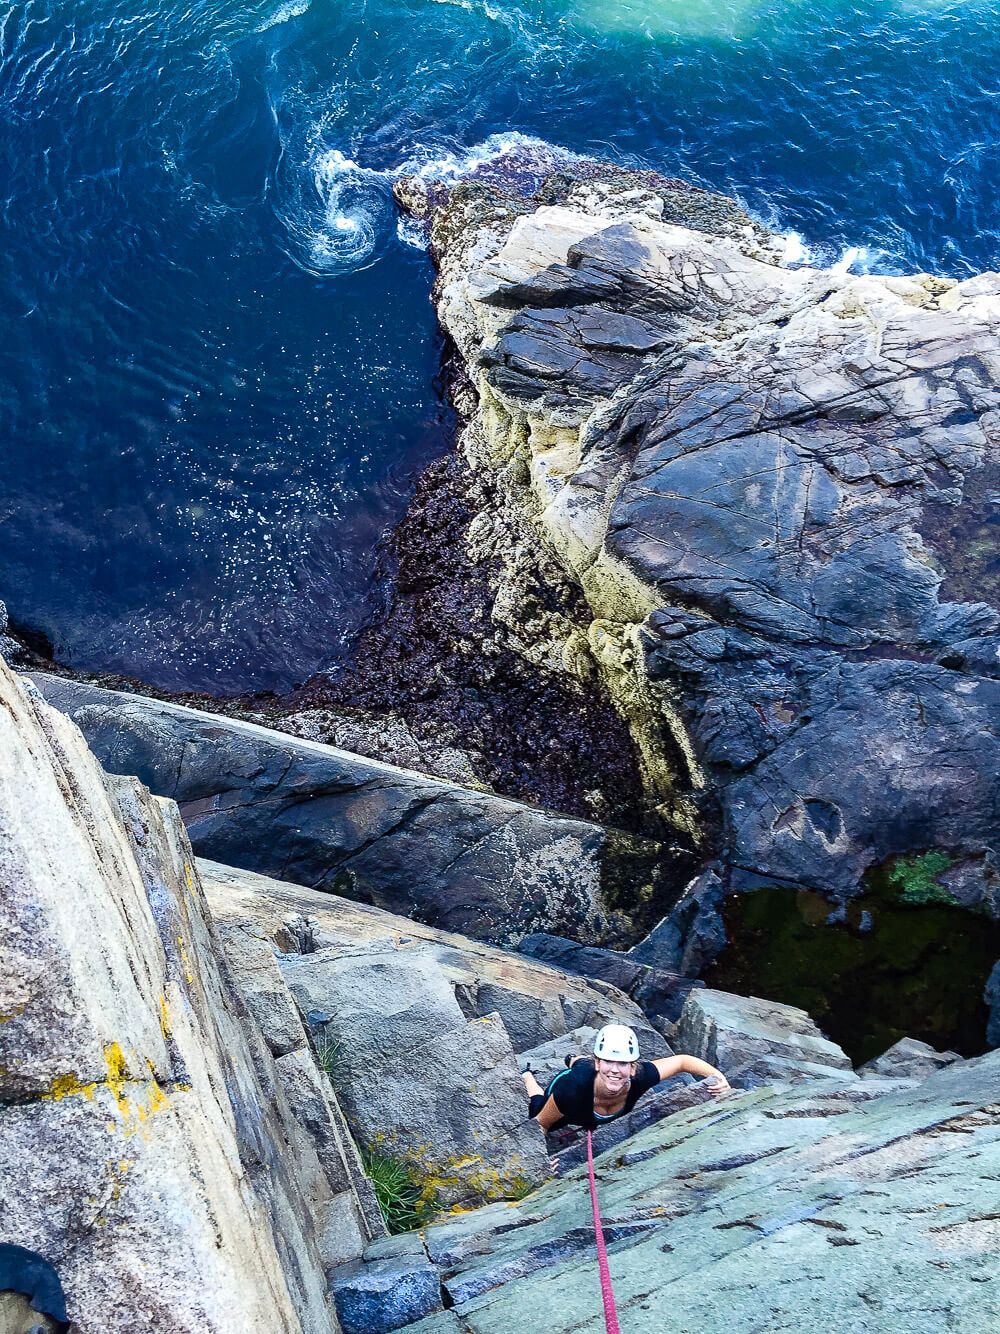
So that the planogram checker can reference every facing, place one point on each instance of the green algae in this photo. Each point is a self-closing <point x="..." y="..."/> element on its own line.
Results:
<point x="915" y="878"/>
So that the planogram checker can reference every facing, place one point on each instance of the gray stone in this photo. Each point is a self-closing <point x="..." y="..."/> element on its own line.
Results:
<point x="293" y="808"/>
<point x="772" y="492"/>
<point x="661" y="994"/>
<point x="416" y="1079"/>
<point x="384" y="1295"/>
<point x="754" y="1041"/>
<point x="908" y="1059"/>
<point x="148" y="1151"/>
<point x="991" y="995"/>
<point x="842" y="1205"/>
<point x="531" y="998"/>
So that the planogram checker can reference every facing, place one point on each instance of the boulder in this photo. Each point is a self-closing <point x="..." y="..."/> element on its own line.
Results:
<point x="661" y="994"/>
<point x="416" y="1079"/>
<point x="907" y="1059"/>
<point x="285" y="806"/>
<point x="379" y="1296"/>
<point x="754" y="1041"/>
<point x="149" y="1152"/>
<point x="535" y="1001"/>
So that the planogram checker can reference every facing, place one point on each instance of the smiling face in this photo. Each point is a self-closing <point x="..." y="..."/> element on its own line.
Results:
<point x="613" y="1077"/>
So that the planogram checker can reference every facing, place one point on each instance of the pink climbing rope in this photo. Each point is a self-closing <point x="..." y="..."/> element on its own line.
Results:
<point x="607" y="1292"/>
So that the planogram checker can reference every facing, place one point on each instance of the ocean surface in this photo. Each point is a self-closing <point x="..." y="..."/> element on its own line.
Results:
<point x="217" y="375"/>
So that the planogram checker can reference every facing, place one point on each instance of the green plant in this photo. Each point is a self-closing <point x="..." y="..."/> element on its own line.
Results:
<point x="402" y="1200"/>
<point x="915" y="878"/>
<point x="328" y="1052"/>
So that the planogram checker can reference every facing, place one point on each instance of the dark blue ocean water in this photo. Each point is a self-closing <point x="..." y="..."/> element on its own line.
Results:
<point x="217" y="371"/>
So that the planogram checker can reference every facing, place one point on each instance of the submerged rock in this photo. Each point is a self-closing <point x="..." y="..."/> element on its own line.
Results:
<point x="737" y="462"/>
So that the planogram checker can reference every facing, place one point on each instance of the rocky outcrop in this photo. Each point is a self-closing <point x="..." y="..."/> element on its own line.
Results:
<point x="419" y="1028"/>
<point x="152" y="1148"/>
<point x="741" y="465"/>
<point x="434" y="851"/>
<point x="755" y="1041"/>
<point x="907" y="1059"/>
<point x="835" y="1205"/>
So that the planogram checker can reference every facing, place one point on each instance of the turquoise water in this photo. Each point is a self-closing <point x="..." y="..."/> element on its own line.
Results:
<point x="218" y="380"/>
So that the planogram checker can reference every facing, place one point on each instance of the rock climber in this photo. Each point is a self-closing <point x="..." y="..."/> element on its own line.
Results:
<point x="589" y="1093"/>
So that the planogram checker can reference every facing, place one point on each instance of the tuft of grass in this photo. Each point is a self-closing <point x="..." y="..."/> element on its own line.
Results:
<point x="401" y="1198"/>
<point x="915" y="878"/>
<point x="328" y="1053"/>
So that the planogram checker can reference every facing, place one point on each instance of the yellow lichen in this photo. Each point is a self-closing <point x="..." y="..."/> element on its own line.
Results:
<point x="164" y="1018"/>
<point x="185" y="960"/>
<point x="114" y="1059"/>
<point x="69" y="1086"/>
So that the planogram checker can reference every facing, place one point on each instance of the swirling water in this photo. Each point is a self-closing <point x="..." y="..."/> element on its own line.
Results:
<point x="217" y="380"/>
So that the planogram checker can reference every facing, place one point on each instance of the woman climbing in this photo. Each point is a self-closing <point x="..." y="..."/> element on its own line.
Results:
<point x="589" y="1093"/>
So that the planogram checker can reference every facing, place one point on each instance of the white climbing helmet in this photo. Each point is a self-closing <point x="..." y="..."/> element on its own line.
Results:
<point x="615" y="1042"/>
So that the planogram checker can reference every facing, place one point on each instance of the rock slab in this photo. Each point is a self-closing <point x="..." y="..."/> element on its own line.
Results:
<point x="297" y="810"/>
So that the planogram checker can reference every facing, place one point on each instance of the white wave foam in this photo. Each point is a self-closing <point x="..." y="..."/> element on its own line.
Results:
<point x="338" y="214"/>
<point x="434" y="163"/>
<point x="795" y="251"/>
<point x="852" y="256"/>
<point x="412" y="233"/>
<point x="292" y="9"/>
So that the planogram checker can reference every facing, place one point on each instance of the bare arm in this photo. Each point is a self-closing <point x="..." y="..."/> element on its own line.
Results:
<point x="549" y="1114"/>
<point x="691" y="1065"/>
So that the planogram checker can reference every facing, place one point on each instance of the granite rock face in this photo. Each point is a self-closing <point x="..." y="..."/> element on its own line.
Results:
<point x="746" y="466"/>
<point x="907" y="1059"/>
<point x="149" y="1150"/>
<point x="288" y="807"/>
<point x="420" y="1027"/>
<point x="844" y="1206"/>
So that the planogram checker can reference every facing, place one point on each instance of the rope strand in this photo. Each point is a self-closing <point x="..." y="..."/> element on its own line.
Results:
<point x="607" y="1292"/>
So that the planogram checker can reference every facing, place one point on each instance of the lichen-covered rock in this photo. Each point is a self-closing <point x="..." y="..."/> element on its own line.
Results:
<point x="145" y="1135"/>
<point x="418" y="1028"/>
<point x="463" y="860"/>
<point x="756" y="474"/>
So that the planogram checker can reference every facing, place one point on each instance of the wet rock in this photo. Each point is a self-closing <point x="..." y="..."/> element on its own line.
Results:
<point x="269" y="802"/>
<point x="908" y="1059"/>
<point x="755" y="1042"/>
